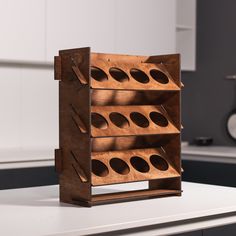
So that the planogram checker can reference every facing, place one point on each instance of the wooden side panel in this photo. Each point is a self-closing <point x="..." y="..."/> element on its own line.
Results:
<point x="74" y="115"/>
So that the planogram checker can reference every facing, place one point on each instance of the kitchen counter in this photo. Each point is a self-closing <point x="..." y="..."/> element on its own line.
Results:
<point x="14" y="158"/>
<point x="37" y="211"/>
<point x="220" y="154"/>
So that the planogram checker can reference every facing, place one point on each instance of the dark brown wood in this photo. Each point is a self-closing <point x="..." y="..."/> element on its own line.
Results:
<point x="57" y="68"/>
<point x="58" y="161"/>
<point x="119" y="119"/>
<point x="132" y="195"/>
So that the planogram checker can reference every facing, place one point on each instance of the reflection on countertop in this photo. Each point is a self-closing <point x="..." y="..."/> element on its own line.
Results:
<point x="223" y="154"/>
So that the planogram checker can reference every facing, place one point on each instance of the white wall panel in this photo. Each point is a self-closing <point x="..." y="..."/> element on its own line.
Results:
<point x="186" y="33"/>
<point x="10" y="107"/>
<point x="120" y="26"/>
<point x="29" y="108"/>
<point x="145" y="26"/>
<point x="22" y="25"/>
<point x="78" y="23"/>
<point x="35" y="30"/>
<point x="38" y="109"/>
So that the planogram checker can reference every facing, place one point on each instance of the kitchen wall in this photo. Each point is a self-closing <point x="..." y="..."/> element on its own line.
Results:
<point x="207" y="97"/>
<point x="32" y="32"/>
<point x="31" y="38"/>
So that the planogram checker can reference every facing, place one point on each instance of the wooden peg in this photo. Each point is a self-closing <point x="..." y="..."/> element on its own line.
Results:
<point x="78" y="169"/>
<point x="76" y="118"/>
<point x="79" y="75"/>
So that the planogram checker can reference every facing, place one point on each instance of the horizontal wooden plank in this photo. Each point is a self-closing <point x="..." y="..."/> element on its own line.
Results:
<point x="132" y="195"/>
<point x="132" y="165"/>
<point x="131" y="120"/>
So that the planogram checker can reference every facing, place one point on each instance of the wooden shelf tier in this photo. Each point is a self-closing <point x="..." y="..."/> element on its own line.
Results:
<point x="131" y="120"/>
<point x="133" y="73"/>
<point x="132" y="165"/>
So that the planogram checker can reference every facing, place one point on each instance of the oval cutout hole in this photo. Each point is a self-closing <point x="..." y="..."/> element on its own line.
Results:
<point x="98" y="74"/>
<point x="98" y="121"/>
<point x="159" y="76"/>
<point x="139" y="119"/>
<point x="118" y="74"/>
<point x="119" y="120"/>
<point x="99" y="168"/>
<point x="139" y="76"/>
<point x="158" y="119"/>
<point x="119" y="166"/>
<point x="139" y="164"/>
<point x="159" y="163"/>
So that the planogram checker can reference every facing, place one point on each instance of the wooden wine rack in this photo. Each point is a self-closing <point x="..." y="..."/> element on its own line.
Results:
<point x="119" y="122"/>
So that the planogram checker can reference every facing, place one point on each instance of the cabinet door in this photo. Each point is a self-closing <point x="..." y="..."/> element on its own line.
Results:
<point x="22" y="25"/>
<point x="10" y="107"/>
<point x="145" y="26"/>
<point x="227" y="230"/>
<point x="186" y="33"/>
<point x="29" y="102"/>
<point x="195" y="233"/>
<point x="112" y="26"/>
<point x="38" y="116"/>
<point x="78" y="23"/>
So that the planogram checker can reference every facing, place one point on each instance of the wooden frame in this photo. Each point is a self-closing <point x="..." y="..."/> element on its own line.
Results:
<point x="119" y="122"/>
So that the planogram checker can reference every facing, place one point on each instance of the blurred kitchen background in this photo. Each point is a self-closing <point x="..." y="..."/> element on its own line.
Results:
<point x="32" y="32"/>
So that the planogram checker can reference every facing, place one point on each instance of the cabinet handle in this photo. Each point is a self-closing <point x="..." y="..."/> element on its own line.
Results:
<point x="230" y="77"/>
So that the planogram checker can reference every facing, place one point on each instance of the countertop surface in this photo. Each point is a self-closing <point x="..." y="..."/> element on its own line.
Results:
<point x="13" y="158"/>
<point x="220" y="154"/>
<point x="37" y="211"/>
<point x="209" y="150"/>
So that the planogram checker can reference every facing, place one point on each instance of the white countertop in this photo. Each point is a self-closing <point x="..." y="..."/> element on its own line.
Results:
<point x="37" y="211"/>
<point x="13" y="158"/>
<point x="220" y="154"/>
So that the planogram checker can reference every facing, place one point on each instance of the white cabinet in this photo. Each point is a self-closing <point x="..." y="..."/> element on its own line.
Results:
<point x="186" y="33"/>
<point x="112" y="26"/>
<point x="38" y="115"/>
<point x="29" y="102"/>
<point x="145" y="27"/>
<point x="34" y="30"/>
<point x="10" y="107"/>
<point x="22" y="24"/>
<point x="78" y="23"/>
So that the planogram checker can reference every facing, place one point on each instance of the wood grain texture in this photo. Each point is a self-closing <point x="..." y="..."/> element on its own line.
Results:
<point x="126" y="63"/>
<point x="70" y="137"/>
<point x="145" y="168"/>
<point x="132" y="196"/>
<point x="135" y="142"/>
<point x="144" y="127"/>
<point x="119" y="122"/>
